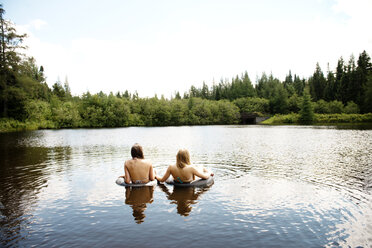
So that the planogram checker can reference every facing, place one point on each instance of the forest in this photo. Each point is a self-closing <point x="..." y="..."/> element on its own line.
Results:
<point x="27" y="102"/>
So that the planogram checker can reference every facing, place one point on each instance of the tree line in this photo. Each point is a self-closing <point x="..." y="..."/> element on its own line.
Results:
<point x="347" y="89"/>
<point x="26" y="97"/>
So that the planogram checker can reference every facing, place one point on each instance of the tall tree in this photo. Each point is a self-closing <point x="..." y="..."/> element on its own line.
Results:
<point x="205" y="91"/>
<point x="317" y="83"/>
<point x="339" y="74"/>
<point x="10" y="43"/>
<point x="307" y="111"/>
<point x="363" y="71"/>
<point x="299" y="85"/>
<point x="248" y="89"/>
<point x="353" y="87"/>
<point x="329" y="91"/>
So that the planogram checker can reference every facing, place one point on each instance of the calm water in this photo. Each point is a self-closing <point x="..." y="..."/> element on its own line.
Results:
<point x="274" y="186"/>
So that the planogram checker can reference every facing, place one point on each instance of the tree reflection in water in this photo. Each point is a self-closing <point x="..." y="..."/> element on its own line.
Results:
<point x="184" y="197"/>
<point x="137" y="198"/>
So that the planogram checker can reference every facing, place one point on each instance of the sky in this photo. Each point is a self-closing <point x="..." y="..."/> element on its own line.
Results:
<point x="163" y="46"/>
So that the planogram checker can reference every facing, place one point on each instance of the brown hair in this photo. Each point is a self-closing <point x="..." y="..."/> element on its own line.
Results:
<point x="137" y="151"/>
<point x="183" y="158"/>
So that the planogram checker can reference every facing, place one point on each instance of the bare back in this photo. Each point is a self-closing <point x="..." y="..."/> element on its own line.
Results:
<point x="138" y="171"/>
<point x="186" y="174"/>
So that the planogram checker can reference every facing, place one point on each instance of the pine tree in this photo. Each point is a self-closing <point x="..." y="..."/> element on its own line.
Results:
<point x="317" y="83"/>
<point x="10" y="43"/>
<point x="339" y="74"/>
<point x="307" y="111"/>
<point x="363" y="70"/>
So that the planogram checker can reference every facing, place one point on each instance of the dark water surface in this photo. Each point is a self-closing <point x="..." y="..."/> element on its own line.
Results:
<point x="274" y="187"/>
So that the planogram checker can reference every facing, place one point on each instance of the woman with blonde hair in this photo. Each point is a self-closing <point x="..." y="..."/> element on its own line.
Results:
<point x="183" y="171"/>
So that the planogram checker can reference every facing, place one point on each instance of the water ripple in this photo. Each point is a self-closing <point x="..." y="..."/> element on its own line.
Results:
<point x="275" y="186"/>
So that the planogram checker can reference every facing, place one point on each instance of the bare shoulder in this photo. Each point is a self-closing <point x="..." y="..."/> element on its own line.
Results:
<point x="172" y="167"/>
<point x="194" y="169"/>
<point x="147" y="162"/>
<point x="128" y="162"/>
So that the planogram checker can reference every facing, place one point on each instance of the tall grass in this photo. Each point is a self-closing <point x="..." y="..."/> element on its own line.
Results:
<point x="320" y="119"/>
<point x="11" y="125"/>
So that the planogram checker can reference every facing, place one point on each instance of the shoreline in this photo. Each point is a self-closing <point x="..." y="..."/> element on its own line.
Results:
<point x="321" y="119"/>
<point x="10" y="125"/>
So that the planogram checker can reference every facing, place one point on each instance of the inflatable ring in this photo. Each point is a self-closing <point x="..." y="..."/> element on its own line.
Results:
<point x="120" y="181"/>
<point x="195" y="183"/>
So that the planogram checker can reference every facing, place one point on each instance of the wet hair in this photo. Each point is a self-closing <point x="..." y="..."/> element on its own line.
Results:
<point x="137" y="151"/>
<point x="183" y="158"/>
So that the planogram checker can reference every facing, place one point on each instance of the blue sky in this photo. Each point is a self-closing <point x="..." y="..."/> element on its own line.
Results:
<point x="158" y="47"/>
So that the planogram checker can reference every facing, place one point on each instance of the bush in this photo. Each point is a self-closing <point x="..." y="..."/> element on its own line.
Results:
<point x="336" y="107"/>
<point x="307" y="112"/>
<point x="282" y="119"/>
<point x="351" y="108"/>
<point x="252" y="104"/>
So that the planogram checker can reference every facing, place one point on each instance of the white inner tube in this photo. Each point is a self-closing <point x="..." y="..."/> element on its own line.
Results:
<point x="120" y="181"/>
<point x="196" y="183"/>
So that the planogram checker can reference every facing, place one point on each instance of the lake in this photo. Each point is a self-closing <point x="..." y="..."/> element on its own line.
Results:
<point x="276" y="186"/>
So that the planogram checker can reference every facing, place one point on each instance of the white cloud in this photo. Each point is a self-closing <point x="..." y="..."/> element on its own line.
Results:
<point x="174" y="60"/>
<point x="38" y="24"/>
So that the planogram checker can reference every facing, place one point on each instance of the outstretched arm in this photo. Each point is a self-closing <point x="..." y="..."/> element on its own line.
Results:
<point x="152" y="174"/>
<point x="165" y="177"/>
<point x="127" y="178"/>
<point x="203" y="175"/>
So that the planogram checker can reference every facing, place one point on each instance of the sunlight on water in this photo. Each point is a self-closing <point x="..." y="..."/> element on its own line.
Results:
<point x="274" y="186"/>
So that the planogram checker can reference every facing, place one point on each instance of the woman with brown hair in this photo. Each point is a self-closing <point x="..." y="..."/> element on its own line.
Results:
<point x="183" y="171"/>
<point x="138" y="170"/>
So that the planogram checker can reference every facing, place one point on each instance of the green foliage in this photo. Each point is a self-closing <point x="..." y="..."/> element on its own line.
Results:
<point x="351" y="108"/>
<point x="65" y="114"/>
<point x="252" y="104"/>
<point x="317" y="84"/>
<point x="367" y="104"/>
<point x="294" y="103"/>
<point x="279" y="100"/>
<point x="320" y="119"/>
<point x="28" y="103"/>
<point x="321" y="107"/>
<point x="283" y="119"/>
<point x="307" y="112"/>
<point x="178" y="112"/>
<point x="343" y="118"/>
<point x="38" y="110"/>
<point x="336" y="107"/>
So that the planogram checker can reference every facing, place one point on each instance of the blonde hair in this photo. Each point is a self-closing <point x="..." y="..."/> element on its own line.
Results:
<point x="183" y="158"/>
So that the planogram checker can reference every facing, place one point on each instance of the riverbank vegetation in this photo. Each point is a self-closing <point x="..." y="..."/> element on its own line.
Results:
<point x="27" y="102"/>
<point x="321" y="119"/>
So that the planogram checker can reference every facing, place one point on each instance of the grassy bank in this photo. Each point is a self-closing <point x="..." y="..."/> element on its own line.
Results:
<point x="321" y="119"/>
<point x="10" y="125"/>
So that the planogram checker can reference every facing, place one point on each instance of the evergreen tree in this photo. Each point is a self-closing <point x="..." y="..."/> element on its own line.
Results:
<point x="367" y="107"/>
<point x="205" y="91"/>
<point x="363" y="70"/>
<point x="317" y="83"/>
<point x="288" y="83"/>
<point x="299" y="85"/>
<point x="353" y="87"/>
<point x="279" y="100"/>
<point x="67" y="89"/>
<point x="329" y="92"/>
<point x="177" y="95"/>
<point x="248" y="89"/>
<point x="339" y="75"/>
<point x="10" y="58"/>
<point x="307" y="111"/>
